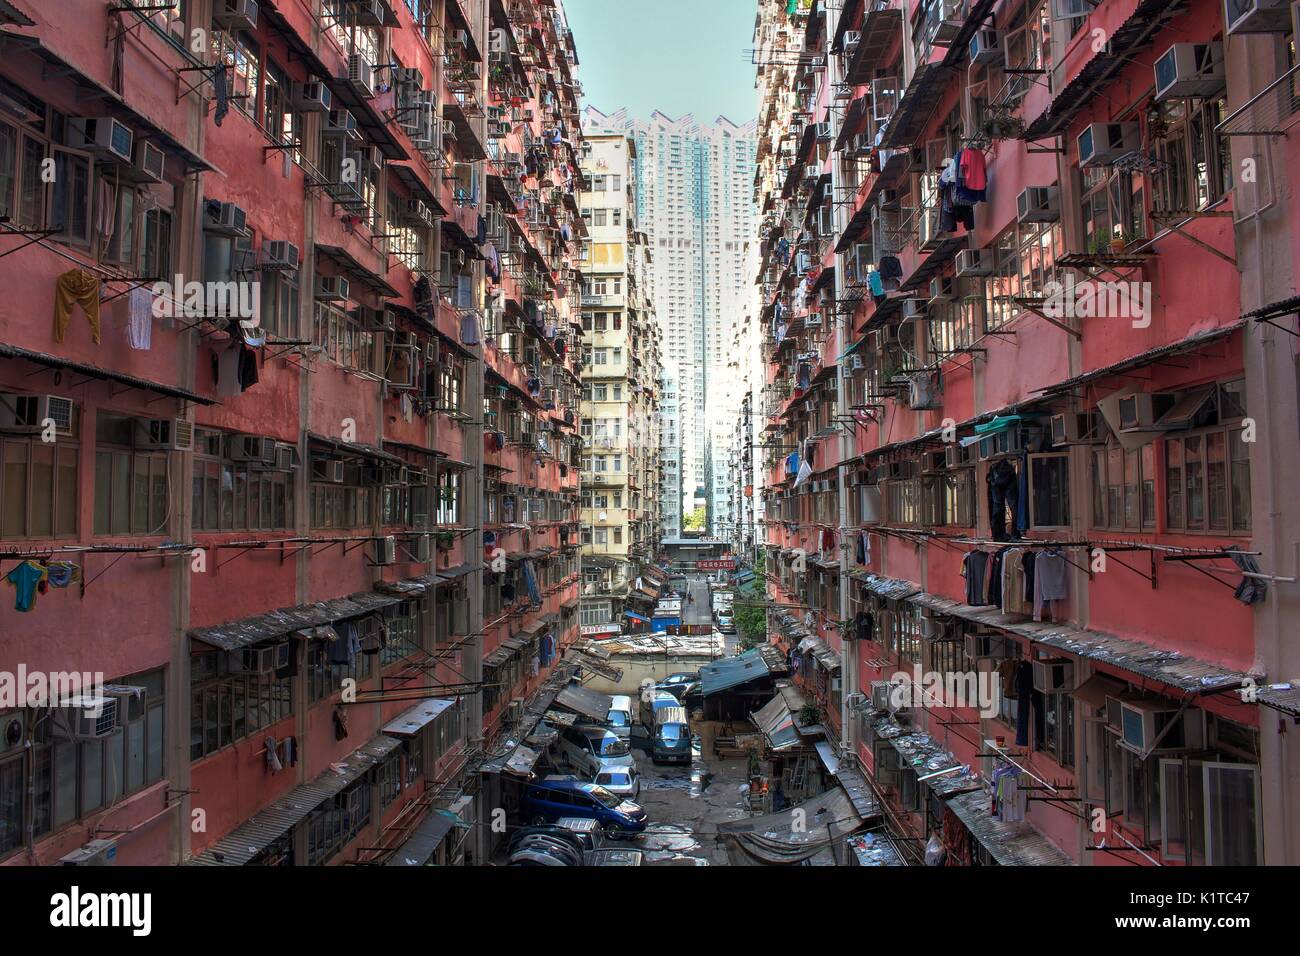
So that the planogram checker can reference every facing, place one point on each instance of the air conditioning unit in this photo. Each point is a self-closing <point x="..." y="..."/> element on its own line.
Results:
<point x="1038" y="204"/>
<point x="1054" y="676"/>
<point x="331" y="288"/>
<point x="235" y="14"/>
<point x="913" y="309"/>
<point x="986" y="46"/>
<point x="416" y="213"/>
<point x="457" y="38"/>
<point x="386" y="550"/>
<point x="952" y="455"/>
<point x="979" y="646"/>
<point x="90" y="717"/>
<point x="103" y="135"/>
<point x="313" y="96"/>
<point x="361" y="76"/>
<point x="252" y="448"/>
<point x="94" y="853"/>
<point x="516" y="712"/>
<point x="370" y="13"/>
<point x="941" y="289"/>
<point x="422" y="549"/>
<point x="1102" y="143"/>
<point x="1256" y="16"/>
<point x="988" y="447"/>
<point x="1076" y="428"/>
<point x="1190" y="69"/>
<point x="1140" y="722"/>
<point x="149" y="162"/>
<point x="327" y="469"/>
<point x="813" y="320"/>
<point x="226" y="219"/>
<point x="851" y="40"/>
<point x="340" y="123"/>
<point x="286" y="457"/>
<point x="880" y="694"/>
<point x="856" y="364"/>
<point x="974" y="262"/>
<point x="172" y="434"/>
<point x="263" y="660"/>
<point x="278" y="254"/>
<point x="1137" y="412"/>
<point x="822" y="131"/>
<point x="27" y="414"/>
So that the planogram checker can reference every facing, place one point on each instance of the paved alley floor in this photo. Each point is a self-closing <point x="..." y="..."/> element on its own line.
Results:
<point x="685" y="805"/>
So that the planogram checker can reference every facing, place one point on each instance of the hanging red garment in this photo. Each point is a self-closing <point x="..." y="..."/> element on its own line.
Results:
<point x="973" y="174"/>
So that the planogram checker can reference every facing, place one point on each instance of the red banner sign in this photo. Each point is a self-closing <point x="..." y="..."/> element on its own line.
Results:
<point x="718" y="564"/>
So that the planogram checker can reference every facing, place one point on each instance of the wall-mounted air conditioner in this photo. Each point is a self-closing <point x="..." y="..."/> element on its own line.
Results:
<point x="1190" y="69"/>
<point x="986" y="46"/>
<point x="1038" y="204"/>
<point x="172" y="434"/>
<point x="331" y="288"/>
<point x="1077" y="428"/>
<point x="94" y="853"/>
<point x="1144" y="726"/>
<point x="1256" y="16"/>
<point x="813" y="320"/>
<point x="149" y="162"/>
<point x="370" y="13"/>
<point x="1137" y="412"/>
<point x="1102" y="143"/>
<point x="90" y="717"/>
<point x="974" y="262"/>
<point x="386" y="550"/>
<point x="279" y="255"/>
<point x="327" y="469"/>
<point x="313" y="96"/>
<point x="235" y="14"/>
<point x="340" y="123"/>
<point x="286" y="457"/>
<point x="1054" y="676"/>
<point x="28" y="414"/>
<point x="226" y="219"/>
<point x="361" y="76"/>
<point x="103" y="135"/>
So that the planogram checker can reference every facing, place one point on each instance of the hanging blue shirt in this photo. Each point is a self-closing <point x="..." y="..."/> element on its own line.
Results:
<point x="24" y="578"/>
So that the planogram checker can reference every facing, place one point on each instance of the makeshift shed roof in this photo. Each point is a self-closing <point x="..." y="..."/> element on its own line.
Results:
<point x="733" y="671"/>
<point x="585" y="701"/>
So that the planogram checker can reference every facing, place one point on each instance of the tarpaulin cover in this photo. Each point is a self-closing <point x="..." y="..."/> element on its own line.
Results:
<point x="827" y="819"/>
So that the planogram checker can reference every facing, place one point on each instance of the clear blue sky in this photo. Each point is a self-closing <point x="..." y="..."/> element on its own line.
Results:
<point x="675" y="56"/>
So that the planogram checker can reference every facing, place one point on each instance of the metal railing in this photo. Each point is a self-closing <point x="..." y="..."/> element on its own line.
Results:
<point x="1270" y="112"/>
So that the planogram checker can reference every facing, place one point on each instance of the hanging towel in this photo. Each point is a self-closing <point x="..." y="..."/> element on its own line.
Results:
<point x="139" y="329"/>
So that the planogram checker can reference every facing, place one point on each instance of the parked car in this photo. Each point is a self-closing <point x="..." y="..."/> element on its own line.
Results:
<point x="547" y="801"/>
<point x="659" y="699"/>
<point x="540" y="849"/>
<point x="581" y="840"/>
<point x="585" y="830"/>
<point x="726" y="624"/>
<point x="589" y="750"/>
<point x="677" y="679"/>
<point x="619" y="718"/>
<point x="621" y="781"/>
<point x="672" y="736"/>
<point x="682" y="691"/>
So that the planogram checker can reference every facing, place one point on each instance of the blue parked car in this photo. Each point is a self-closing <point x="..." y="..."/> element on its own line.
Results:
<point x="549" y="800"/>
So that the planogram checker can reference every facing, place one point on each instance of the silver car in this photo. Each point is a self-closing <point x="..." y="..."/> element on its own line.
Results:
<point x="589" y="750"/>
<point x="623" y="782"/>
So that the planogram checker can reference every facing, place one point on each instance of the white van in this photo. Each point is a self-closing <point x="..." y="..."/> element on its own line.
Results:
<point x="619" y="718"/>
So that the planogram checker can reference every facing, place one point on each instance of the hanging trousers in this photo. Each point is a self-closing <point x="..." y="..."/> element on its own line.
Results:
<point x="72" y="288"/>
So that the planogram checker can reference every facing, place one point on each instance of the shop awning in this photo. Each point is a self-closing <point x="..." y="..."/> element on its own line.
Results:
<point x="266" y="826"/>
<point x="1011" y="844"/>
<point x="637" y="617"/>
<point x="423" y="843"/>
<point x="584" y="701"/>
<point x="411" y="722"/>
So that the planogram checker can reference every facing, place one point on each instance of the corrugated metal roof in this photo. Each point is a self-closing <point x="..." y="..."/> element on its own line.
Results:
<point x="1169" y="667"/>
<point x="420" y="846"/>
<point x="1011" y="844"/>
<point x="731" y="672"/>
<point x="245" y="631"/>
<point x="266" y="826"/>
<point x="411" y="722"/>
<point x="1192" y="342"/>
<point x="892" y="588"/>
<point x="1283" y="697"/>
<point x="585" y="701"/>
<point x="95" y="371"/>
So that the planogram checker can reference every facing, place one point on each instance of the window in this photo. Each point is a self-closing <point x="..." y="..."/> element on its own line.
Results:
<point x="1054" y="726"/>
<point x="1193" y="165"/>
<point x="1207" y="472"/>
<point x="323" y="678"/>
<point x="449" y="494"/>
<point x="1049" y="490"/>
<point x="228" y="705"/>
<point x="279" y="314"/>
<point x="74" y="778"/>
<point x="38" y="488"/>
<point x="130" y="486"/>
<point x="1024" y="261"/>
<point x="1113" y="207"/>
<point x="346" y="504"/>
<point x="345" y="342"/>
<point x="337" y="821"/>
<point x="241" y="54"/>
<point x="1124" y="487"/>
<point x="230" y="495"/>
